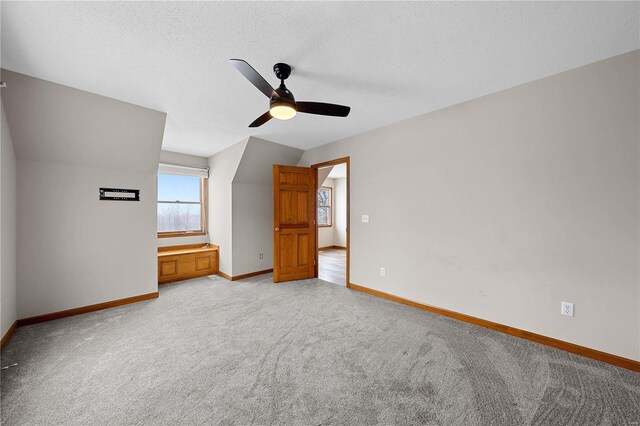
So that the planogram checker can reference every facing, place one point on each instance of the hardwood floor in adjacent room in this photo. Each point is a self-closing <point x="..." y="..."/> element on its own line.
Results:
<point x="332" y="266"/>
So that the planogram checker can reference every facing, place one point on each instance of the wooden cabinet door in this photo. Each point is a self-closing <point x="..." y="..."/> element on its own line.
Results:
<point x="294" y="216"/>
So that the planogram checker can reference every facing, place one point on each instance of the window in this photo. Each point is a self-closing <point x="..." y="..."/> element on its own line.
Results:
<point x="324" y="206"/>
<point x="181" y="204"/>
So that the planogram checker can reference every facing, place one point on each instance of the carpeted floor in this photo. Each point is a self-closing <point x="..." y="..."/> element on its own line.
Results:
<point x="210" y="351"/>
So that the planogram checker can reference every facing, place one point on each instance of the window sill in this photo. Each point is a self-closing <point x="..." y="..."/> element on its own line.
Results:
<point x="325" y="226"/>
<point x="181" y="234"/>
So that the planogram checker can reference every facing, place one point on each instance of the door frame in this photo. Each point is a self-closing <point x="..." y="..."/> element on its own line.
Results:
<point x="347" y="161"/>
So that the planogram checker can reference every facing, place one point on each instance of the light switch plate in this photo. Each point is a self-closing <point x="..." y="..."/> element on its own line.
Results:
<point x="365" y="218"/>
<point x="566" y="309"/>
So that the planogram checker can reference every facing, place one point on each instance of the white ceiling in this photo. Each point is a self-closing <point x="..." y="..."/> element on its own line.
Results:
<point x="388" y="61"/>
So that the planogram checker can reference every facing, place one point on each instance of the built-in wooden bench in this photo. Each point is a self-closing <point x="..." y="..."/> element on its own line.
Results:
<point x="177" y="263"/>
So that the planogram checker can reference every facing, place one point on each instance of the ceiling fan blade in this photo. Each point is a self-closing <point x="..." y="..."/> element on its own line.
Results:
<point x="253" y="76"/>
<point x="323" y="109"/>
<point x="261" y="120"/>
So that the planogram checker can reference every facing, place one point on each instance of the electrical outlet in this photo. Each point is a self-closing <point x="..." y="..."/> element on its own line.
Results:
<point x="566" y="309"/>
<point x="365" y="218"/>
<point x="260" y="255"/>
<point x="383" y="271"/>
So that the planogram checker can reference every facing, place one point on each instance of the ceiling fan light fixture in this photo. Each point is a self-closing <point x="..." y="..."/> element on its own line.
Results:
<point x="282" y="104"/>
<point x="282" y="111"/>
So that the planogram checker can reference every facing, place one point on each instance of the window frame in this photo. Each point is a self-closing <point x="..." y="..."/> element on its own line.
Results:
<point x="330" y="207"/>
<point x="204" y="202"/>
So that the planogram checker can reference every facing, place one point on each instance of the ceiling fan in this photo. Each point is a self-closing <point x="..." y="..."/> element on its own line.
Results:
<point x="282" y="104"/>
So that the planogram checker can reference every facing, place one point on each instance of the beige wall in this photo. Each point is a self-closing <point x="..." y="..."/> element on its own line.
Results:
<point x="340" y="212"/>
<point x="336" y="234"/>
<point x="507" y="205"/>
<point x="326" y="235"/>
<point x="7" y="228"/>
<point x="222" y="169"/>
<point x="185" y="160"/>
<point x="252" y="227"/>
<point x="73" y="249"/>
<point x="55" y="123"/>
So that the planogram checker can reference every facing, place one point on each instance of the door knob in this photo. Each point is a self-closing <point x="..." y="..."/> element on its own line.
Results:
<point x="277" y="229"/>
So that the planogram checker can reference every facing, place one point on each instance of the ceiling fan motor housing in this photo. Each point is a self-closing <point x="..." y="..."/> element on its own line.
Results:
<point x="281" y="96"/>
<point x="282" y="71"/>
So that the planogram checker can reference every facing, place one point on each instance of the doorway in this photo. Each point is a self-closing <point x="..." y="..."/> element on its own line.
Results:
<point x="332" y="221"/>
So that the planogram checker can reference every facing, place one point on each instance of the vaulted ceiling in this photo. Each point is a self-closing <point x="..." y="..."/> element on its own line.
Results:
<point x="388" y="61"/>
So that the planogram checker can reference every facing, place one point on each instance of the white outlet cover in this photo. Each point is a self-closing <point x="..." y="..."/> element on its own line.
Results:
<point x="566" y="309"/>
<point x="383" y="272"/>
<point x="365" y="218"/>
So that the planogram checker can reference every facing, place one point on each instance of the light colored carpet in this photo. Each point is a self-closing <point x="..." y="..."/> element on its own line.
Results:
<point x="210" y="351"/>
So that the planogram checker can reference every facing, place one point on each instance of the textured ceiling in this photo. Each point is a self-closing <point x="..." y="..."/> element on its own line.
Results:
<point x="388" y="61"/>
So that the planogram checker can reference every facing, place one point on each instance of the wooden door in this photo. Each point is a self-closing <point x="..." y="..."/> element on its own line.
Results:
<point x="294" y="215"/>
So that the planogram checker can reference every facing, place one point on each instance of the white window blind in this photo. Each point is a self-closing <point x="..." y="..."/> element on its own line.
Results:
<point x="172" y="169"/>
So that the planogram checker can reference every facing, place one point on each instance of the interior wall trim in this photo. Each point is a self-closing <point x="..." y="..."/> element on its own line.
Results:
<point x="181" y="234"/>
<point x="8" y="334"/>
<point x="225" y="276"/>
<point x="85" y="309"/>
<point x="243" y="276"/>
<point x="527" y="335"/>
